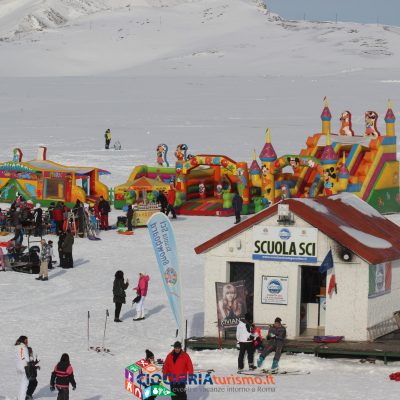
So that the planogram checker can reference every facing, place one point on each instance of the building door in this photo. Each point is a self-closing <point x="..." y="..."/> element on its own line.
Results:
<point x="240" y="271"/>
<point x="313" y="286"/>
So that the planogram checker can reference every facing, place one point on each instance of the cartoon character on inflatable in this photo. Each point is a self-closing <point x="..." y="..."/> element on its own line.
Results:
<point x="162" y="150"/>
<point x="180" y="152"/>
<point x="370" y="124"/>
<point x="202" y="191"/>
<point x="345" y="128"/>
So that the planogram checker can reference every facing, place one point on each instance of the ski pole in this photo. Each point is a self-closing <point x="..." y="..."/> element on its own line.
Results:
<point x="88" y="318"/>
<point x="105" y="327"/>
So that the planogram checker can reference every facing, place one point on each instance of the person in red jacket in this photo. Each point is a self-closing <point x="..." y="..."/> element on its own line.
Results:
<point x="61" y="377"/>
<point x="58" y="216"/>
<point x="177" y="367"/>
<point x="171" y="197"/>
<point x="141" y="290"/>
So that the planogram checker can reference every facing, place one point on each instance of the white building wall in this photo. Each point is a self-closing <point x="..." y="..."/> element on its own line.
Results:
<point x="382" y="307"/>
<point x="239" y="249"/>
<point x="346" y="311"/>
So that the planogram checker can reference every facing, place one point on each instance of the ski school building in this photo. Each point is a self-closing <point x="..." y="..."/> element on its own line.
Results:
<point x="278" y="254"/>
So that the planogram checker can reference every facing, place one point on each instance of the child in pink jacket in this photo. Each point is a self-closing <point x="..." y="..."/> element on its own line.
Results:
<point x="141" y="290"/>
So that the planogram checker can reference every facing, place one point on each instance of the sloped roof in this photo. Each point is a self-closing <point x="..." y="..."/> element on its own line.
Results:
<point x="344" y="218"/>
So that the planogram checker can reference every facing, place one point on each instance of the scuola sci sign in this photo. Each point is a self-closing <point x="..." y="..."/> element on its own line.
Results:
<point x="285" y="244"/>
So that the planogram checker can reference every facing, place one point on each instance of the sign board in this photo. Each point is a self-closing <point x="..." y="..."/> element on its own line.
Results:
<point x="285" y="244"/>
<point x="274" y="290"/>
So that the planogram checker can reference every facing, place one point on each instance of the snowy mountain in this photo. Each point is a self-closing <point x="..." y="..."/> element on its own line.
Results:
<point x="191" y="38"/>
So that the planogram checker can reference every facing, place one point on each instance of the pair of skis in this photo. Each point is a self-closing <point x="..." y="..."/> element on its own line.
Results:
<point x="98" y="349"/>
<point x="264" y="372"/>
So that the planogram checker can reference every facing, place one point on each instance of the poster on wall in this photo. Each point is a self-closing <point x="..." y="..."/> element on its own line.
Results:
<point x="380" y="279"/>
<point x="274" y="290"/>
<point x="231" y="303"/>
<point x="290" y="244"/>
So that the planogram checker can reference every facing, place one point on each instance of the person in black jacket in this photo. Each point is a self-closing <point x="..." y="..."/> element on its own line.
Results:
<point x="163" y="201"/>
<point x="129" y="216"/>
<point x="61" y="377"/>
<point x="61" y="238"/>
<point x="119" y="288"/>
<point x="78" y="211"/>
<point x="67" y="249"/>
<point x="38" y="215"/>
<point x="32" y="368"/>
<point x="104" y="209"/>
<point x="237" y="203"/>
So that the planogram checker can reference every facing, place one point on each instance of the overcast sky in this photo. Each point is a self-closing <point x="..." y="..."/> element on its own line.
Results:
<point x="364" y="11"/>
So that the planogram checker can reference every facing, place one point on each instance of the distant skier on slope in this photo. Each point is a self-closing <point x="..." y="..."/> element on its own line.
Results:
<point x="107" y="137"/>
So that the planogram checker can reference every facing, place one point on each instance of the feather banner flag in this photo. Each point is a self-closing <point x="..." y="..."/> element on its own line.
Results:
<point x="164" y="244"/>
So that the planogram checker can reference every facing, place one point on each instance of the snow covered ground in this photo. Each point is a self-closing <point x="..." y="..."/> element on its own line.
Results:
<point x="210" y="73"/>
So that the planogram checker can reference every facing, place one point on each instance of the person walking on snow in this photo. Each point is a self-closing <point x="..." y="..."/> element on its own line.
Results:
<point x="61" y="377"/>
<point x="141" y="290"/>
<point x="119" y="288"/>
<point x="177" y="367"/>
<point x="107" y="137"/>
<point x="66" y="246"/>
<point x="245" y="337"/>
<point x="275" y="339"/>
<point x="22" y="359"/>
<point x="32" y="367"/>
<point x="237" y="204"/>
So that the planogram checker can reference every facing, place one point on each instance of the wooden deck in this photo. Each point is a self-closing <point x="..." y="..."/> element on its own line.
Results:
<point x="387" y="350"/>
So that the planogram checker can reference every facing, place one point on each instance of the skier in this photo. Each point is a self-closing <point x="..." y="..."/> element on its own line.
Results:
<point x="107" y="137"/>
<point x="141" y="290"/>
<point x="22" y="358"/>
<point x="275" y="339"/>
<point x="44" y="262"/>
<point x="32" y="367"/>
<point x="61" y="377"/>
<point x="119" y="288"/>
<point x="237" y="203"/>
<point x="178" y="365"/>
<point x="38" y="216"/>
<point x="245" y="340"/>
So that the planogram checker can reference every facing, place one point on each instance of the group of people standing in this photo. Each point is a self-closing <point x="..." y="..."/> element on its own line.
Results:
<point x="249" y="339"/>
<point x="119" y="295"/>
<point x="167" y="202"/>
<point x="27" y="366"/>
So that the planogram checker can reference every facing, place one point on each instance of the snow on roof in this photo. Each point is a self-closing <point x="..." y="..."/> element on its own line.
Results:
<point x="366" y="239"/>
<point x="357" y="203"/>
<point x="317" y="206"/>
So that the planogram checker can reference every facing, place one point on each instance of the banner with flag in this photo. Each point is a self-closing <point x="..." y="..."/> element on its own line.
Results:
<point x="380" y="279"/>
<point x="163" y="240"/>
<point x="327" y="263"/>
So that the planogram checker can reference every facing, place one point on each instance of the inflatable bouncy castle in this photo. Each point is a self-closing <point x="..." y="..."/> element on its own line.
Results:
<point x="47" y="181"/>
<point x="364" y="164"/>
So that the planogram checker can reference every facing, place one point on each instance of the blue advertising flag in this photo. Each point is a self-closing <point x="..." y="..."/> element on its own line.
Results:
<point x="327" y="263"/>
<point x="163" y="240"/>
